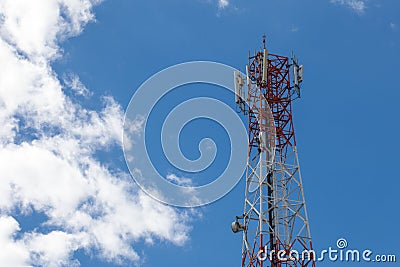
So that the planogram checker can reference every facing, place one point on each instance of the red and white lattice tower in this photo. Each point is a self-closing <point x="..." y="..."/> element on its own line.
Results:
<point x="275" y="216"/>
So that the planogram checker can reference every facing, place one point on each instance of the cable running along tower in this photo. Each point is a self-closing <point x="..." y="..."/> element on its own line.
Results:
<point x="274" y="222"/>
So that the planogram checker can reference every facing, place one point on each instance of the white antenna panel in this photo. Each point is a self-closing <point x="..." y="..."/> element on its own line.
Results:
<point x="239" y="83"/>
<point x="247" y="75"/>
<point x="300" y="78"/>
<point x="295" y="73"/>
<point x="265" y="65"/>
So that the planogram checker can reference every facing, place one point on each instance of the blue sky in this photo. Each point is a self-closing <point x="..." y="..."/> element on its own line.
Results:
<point x="346" y="125"/>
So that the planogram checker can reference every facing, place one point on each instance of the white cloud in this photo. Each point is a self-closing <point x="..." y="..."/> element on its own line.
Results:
<point x="294" y="28"/>
<point x="358" y="6"/>
<point x="48" y="144"/>
<point x="12" y="252"/>
<point x="74" y="83"/>
<point x="223" y="4"/>
<point x="393" y="26"/>
<point x="182" y="181"/>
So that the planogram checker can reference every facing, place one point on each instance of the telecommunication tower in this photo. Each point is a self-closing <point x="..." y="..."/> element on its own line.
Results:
<point x="274" y="222"/>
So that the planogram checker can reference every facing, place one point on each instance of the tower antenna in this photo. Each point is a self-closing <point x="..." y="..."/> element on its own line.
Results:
<point x="264" y="41"/>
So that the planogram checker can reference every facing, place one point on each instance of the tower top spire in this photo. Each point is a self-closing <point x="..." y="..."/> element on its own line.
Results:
<point x="264" y="41"/>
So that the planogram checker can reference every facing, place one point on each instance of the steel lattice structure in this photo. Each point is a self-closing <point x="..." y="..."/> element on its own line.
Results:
<point x="275" y="216"/>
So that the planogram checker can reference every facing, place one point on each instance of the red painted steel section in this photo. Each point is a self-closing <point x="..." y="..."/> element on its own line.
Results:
<point x="277" y="91"/>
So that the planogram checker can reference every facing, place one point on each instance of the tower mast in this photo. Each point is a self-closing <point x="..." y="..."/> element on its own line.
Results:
<point x="274" y="222"/>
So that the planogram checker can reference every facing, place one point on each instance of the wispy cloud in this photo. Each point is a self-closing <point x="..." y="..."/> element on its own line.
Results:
<point x="223" y="4"/>
<point x="357" y="6"/>
<point x="393" y="26"/>
<point x="294" y="28"/>
<point x="72" y="81"/>
<point x="182" y="181"/>
<point x="48" y="143"/>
